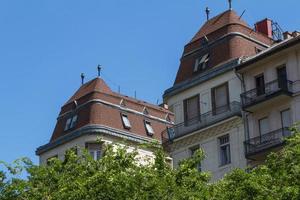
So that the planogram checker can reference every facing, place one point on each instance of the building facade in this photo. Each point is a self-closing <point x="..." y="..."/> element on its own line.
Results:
<point x="96" y="111"/>
<point x="270" y="98"/>
<point x="205" y="97"/>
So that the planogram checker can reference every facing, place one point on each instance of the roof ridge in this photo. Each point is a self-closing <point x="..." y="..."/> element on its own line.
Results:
<point x="211" y="25"/>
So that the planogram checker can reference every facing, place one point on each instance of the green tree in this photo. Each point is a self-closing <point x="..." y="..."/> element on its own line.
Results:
<point x="277" y="179"/>
<point x="119" y="176"/>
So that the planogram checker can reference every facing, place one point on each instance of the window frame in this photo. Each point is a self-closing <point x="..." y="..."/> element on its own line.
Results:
<point x="150" y="132"/>
<point x="290" y="116"/>
<point x="200" y="62"/>
<point x="71" y="123"/>
<point x="259" y="126"/>
<point x="213" y="97"/>
<point x="185" y="104"/>
<point x="126" y="126"/>
<point x="221" y="145"/>
<point x="97" y="153"/>
<point x="262" y="90"/>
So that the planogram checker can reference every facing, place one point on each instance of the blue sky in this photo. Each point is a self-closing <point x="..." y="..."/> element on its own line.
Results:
<point x="46" y="44"/>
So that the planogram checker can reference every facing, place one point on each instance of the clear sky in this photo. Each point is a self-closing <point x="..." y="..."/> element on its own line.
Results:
<point x="46" y="44"/>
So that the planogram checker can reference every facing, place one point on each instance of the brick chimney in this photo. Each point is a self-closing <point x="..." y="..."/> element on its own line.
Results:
<point x="265" y="27"/>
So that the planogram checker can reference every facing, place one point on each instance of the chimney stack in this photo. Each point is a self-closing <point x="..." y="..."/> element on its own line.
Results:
<point x="265" y="27"/>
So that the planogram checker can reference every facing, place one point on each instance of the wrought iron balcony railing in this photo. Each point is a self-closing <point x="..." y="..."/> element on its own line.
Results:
<point x="266" y="141"/>
<point x="202" y="121"/>
<point x="257" y="95"/>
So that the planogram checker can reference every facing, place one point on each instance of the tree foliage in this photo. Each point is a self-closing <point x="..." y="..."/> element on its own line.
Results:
<point x="119" y="176"/>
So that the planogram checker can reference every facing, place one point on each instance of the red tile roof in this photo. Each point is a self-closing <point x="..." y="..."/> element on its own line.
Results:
<point x="97" y="104"/>
<point x="224" y="19"/>
<point x="228" y="37"/>
<point x="91" y="86"/>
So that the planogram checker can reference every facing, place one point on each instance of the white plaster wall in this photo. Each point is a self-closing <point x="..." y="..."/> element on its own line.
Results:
<point x="204" y="89"/>
<point x="143" y="157"/>
<point x="268" y="67"/>
<point x="211" y="163"/>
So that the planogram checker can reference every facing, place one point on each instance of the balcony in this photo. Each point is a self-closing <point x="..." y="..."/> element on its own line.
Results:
<point x="202" y="121"/>
<point x="259" y="146"/>
<point x="275" y="90"/>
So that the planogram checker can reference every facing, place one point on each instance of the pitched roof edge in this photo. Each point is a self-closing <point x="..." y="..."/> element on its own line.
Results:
<point x="268" y="52"/>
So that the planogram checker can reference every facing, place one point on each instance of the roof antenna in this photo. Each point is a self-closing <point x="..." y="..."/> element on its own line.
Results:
<point x="242" y="14"/>
<point x="82" y="78"/>
<point x="99" y="70"/>
<point x="135" y="94"/>
<point x="230" y="4"/>
<point x="207" y="10"/>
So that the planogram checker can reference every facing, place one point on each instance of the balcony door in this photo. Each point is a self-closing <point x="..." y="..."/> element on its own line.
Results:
<point x="282" y="77"/>
<point x="263" y="126"/>
<point x="260" y="85"/>
<point x="286" y="120"/>
<point x="191" y="110"/>
<point x="220" y="99"/>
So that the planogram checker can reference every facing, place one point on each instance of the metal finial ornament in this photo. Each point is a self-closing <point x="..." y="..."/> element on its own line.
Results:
<point x="230" y="4"/>
<point x="207" y="10"/>
<point x="82" y="78"/>
<point x="99" y="70"/>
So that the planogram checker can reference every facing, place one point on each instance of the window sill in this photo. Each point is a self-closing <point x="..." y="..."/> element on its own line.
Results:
<point x="224" y="166"/>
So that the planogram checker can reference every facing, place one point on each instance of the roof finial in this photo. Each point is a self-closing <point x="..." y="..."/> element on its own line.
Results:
<point x="207" y="10"/>
<point x="82" y="78"/>
<point x="230" y="4"/>
<point x="99" y="70"/>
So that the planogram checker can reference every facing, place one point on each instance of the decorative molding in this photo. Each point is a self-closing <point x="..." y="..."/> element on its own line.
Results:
<point x="118" y="107"/>
<point x="90" y="130"/>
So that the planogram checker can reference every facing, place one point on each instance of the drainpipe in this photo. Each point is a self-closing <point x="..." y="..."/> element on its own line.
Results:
<point x="244" y="113"/>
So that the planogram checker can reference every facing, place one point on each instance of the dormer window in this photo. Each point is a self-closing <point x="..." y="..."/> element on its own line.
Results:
<point x="149" y="128"/>
<point x="145" y="111"/>
<point x="201" y="63"/>
<point x="71" y="122"/>
<point x="126" y="122"/>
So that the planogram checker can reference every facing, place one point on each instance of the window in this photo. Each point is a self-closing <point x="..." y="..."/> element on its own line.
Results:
<point x="71" y="122"/>
<point x="225" y="157"/>
<point x="94" y="150"/>
<point x="263" y="126"/>
<point x="193" y="150"/>
<point x="260" y="85"/>
<point x="191" y="110"/>
<point x="149" y="128"/>
<point x="201" y="63"/>
<point x="286" y="120"/>
<point x="220" y="99"/>
<point x="126" y="122"/>
<point x="282" y="77"/>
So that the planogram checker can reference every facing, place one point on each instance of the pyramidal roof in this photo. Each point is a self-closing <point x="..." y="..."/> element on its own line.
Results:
<point x="95" y="85"/>
<point x="217" y="22"/>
